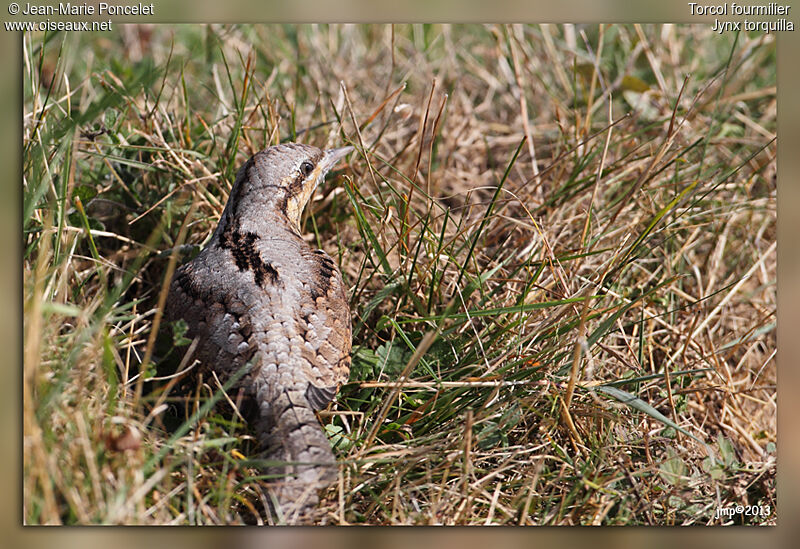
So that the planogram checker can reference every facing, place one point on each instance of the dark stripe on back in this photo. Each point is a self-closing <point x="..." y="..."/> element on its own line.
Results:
<point x="243" y="248"/>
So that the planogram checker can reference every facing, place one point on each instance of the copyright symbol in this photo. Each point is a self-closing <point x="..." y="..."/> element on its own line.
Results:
<point x="13" y="8"/>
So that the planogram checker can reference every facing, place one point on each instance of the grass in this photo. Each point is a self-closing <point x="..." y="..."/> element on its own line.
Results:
<point x="559" y="243"/>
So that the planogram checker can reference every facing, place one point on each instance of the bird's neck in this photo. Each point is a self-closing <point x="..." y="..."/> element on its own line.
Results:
<point x="260" y="216"/>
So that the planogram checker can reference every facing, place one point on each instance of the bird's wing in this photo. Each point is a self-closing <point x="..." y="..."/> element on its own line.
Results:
<point x="220" y="318"/>
<point x="328" y="329"/>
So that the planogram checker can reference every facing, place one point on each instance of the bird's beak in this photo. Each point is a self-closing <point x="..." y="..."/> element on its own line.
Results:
<point x="332" y="156"/>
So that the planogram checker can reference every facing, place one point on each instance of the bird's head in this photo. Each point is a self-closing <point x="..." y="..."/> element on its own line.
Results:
<point x="278" y="181"/>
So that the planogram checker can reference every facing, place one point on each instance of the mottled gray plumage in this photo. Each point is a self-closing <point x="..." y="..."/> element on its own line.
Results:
<point x="259" y="291"/>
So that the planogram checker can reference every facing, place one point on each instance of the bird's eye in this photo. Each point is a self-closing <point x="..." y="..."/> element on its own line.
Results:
<point x="306" y="168"/>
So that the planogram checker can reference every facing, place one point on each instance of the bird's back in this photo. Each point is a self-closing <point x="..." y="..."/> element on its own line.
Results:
<point x="297" y="319"/>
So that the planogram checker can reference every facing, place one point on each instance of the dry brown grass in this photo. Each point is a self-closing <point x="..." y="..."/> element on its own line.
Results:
<point x="516" y="246"/>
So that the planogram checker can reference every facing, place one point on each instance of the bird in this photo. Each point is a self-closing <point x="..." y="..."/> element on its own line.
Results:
<point x="258" y="294"/>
